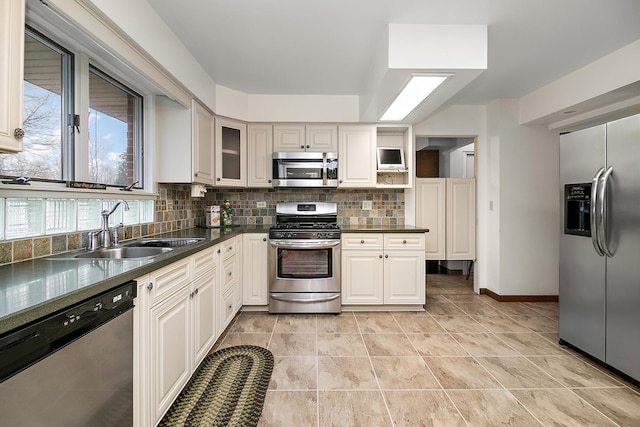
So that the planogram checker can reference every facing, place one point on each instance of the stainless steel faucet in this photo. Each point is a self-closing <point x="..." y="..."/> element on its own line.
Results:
<point x="110" y="237"/>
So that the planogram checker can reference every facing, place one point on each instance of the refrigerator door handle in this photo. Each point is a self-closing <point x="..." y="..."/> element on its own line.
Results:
<point x="602" y="223"/>
<point x="593" y="214"/>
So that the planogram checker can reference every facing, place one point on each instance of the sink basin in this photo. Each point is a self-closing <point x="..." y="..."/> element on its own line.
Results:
<point x="124" y="252"/>
<point x="167" y="242"/>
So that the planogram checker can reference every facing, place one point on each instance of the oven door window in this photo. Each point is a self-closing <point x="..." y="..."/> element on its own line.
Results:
<point x="304" y="263"/>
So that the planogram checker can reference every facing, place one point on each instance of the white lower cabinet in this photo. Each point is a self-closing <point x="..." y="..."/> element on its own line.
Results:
<point x="230" y="288"/>
<point x="174" y="329"/>
<point x="383" y="269"/>
<point x="255" y="281"/>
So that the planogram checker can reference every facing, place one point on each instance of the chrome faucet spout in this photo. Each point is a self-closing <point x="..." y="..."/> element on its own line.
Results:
<point x="105" y="234"/>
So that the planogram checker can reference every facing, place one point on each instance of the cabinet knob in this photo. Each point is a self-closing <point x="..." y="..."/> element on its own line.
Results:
<point x="340" y="181"/>
<point x="230" y="248"/>
<point x="218" y="250"/>
<point x="302" y="146"/>
<point x="192" y="294"/>
<point x="264" y="239"/>
<point x="150" y="285"/>
<point x="18" y="133"/>
<point x="195" y="174"/>
<point x="362" y="242"/>
<point x="269" y="181"/>
<point x="307" y="146"/>
<point x="197" y="291"/>
<point x="217" y="179"/>
<point x="386" y="256"/>
<point x="404" y="241"/>
<point x="379" y="256"/>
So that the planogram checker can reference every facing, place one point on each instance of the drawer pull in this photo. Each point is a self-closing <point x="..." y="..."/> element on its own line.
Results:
<point x="404" y="241"/>
<point x="386" y="256"/>
<point x="379" y="256"/>
<point x="150" y="285"/>
<point x="362" y="242"/>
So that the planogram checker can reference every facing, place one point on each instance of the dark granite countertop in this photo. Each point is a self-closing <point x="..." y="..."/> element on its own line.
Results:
<point x="30" y="290"/>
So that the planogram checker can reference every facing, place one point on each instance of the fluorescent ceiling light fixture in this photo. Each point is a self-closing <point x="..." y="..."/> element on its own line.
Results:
<point x="416" y="91"/>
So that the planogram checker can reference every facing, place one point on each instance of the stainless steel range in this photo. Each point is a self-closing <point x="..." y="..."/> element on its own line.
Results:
<point x="304" y="259"/>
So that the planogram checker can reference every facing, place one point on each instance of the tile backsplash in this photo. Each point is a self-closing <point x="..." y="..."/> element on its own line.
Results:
<point x="175" y="209"/>
<point x="387" y="205"/>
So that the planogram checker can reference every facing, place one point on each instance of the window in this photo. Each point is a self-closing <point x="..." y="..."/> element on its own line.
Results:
<point x="102" y="145"/>
<point x="115" y="137"/>
<point x="47" y="108"/>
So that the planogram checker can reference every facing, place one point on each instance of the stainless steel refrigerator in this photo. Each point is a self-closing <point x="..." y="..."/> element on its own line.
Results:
<point x="600" y="243"/>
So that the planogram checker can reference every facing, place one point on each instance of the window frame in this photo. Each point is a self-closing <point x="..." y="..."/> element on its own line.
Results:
<point x="75" y="107"/>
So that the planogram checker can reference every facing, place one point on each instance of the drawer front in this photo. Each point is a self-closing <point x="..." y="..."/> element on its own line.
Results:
<point x="204" y="261"/>
<point x="411" y="241"/>
<point x="229" y="273"/>
<point x="362" y="240"/>
<point x="229" y="248"/>
<point x="167" y="280"/>
<point x="227" y="311"/>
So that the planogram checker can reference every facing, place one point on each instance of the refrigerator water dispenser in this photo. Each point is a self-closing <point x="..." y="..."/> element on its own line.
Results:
<point x="577" y="206"/>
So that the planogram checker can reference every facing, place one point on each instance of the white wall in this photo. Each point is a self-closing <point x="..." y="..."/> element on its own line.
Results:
<point x="517" y="203"/>
<point x="527" y="202"/>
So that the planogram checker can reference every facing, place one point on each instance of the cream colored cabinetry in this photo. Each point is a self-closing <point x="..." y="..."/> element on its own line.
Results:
<point x="259" y="149"/>
<point x="446" y="206"/>
<point x="255" y="286"/>
<point x="316" y="138"/>
<point x="404" y="269"/>
<point x="230" y="288"/>
<point x="230" y="153"/>
<point x="431" y="214"/>
<point x="12" y="14"/>
<point x="357" y="156"/>
<point x="383" y="268"/>
<point x="461" y="218"/>
<point x="362" y="269"/>
<point x="185" y="143"/>
<point x="174" y="329"/>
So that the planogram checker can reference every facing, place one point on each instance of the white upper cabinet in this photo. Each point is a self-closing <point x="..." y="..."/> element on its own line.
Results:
<point x="11" y="74"/>
<point x="315" y="138"/>
<point x="260" y="149"/>
<point x="322" y="138"/>
<point x="185" y="143"/>
<point x="230" y="153"/>
<point x="357" y="156"/>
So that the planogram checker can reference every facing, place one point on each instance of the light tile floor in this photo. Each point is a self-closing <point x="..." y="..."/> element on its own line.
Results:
<point x="468" y="360"/>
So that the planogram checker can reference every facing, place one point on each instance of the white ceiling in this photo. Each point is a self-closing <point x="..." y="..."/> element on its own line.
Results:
<point x="326" y="47"/>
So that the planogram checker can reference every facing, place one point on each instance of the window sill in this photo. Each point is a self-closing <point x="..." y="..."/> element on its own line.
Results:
<point x="50" y="189"/>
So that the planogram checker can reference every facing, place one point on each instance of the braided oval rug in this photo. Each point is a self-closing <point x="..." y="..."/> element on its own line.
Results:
<point x="228" y="389"/>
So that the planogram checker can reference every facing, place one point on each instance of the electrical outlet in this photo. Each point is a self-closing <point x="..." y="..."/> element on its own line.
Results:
<point x="261" y="204"/>
<point x="367" y="205"/>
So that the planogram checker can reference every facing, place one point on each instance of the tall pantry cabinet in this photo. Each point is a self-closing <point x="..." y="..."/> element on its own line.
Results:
<point x="447" y="207"/>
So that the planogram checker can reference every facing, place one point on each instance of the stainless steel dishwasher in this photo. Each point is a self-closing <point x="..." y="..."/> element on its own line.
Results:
<point x="72" y="368"/>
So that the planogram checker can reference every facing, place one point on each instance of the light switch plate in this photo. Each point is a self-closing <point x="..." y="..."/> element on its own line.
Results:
<point x="367" y="205"/>
<point x="261" y="204"/>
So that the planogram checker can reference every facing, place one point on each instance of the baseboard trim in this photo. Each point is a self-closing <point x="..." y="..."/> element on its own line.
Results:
<point x="518" y="298"/>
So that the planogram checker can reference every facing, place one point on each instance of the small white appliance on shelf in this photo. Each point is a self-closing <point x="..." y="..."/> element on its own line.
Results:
<point x="391" y="159"/>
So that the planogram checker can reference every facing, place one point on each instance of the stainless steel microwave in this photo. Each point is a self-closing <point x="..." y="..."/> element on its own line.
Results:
<point x="305" y="169"/>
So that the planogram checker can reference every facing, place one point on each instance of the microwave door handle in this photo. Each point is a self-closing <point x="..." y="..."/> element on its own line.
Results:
<point x="324" y="169"/>
<point x="602" y="233"/>
<point x="593" y="214"/>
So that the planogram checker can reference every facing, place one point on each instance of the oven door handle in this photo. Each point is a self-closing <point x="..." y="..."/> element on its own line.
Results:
<point x="286" y="298"/>
<point x="304" y="244"/>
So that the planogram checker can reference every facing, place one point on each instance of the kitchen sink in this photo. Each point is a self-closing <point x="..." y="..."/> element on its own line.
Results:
<point x="122" y="252"/>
